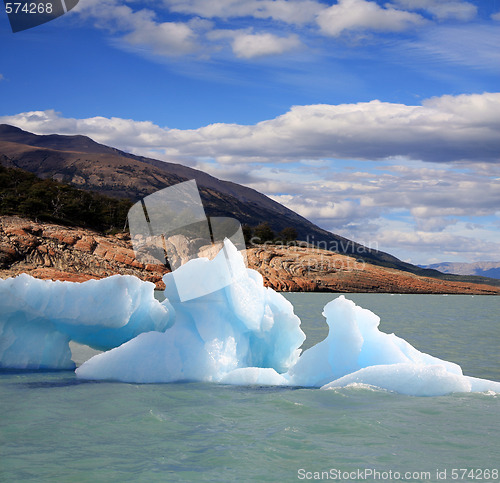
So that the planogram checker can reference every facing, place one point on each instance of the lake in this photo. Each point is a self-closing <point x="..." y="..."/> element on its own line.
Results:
<point x="57" y="428"/>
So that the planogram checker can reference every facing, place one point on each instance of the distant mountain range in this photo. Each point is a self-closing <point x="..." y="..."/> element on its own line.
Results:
<point x="483" y="269"/>
<point x="86" y="164"/>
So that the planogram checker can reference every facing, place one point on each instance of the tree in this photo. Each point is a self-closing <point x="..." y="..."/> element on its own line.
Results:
<point x="263" y="233"/>
<point x="247" y="233"/>
<point x="288" y="234"/>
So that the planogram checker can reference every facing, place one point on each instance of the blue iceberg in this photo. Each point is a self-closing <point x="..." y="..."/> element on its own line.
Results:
<point x="242" y="325"/>
<point x="242" y="333"/>
<point x="38" y="318"/>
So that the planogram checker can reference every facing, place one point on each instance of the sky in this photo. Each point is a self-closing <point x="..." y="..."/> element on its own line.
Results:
<point x="378" y="121"/>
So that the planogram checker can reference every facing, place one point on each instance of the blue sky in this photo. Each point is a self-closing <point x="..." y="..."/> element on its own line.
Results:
<point x="378" y="121"/>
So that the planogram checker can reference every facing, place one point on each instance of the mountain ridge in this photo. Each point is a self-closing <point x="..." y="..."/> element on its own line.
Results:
<point x="80" y="161"/>
<point x="484" y="269"/>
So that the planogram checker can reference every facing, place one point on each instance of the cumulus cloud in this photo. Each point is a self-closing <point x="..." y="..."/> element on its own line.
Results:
<point x="349" y="15"/>
<point x="470" y="246"/>
<point x="323" y="210"/>
<point x="167" y="38"/>
<point x="293" y="158"/>
<point x="357" y="14"/>
<point x="208" y="29"/>
<point x="246" y="44"/>
<point x="411" y="211"/>
<point x="140" y="28"/>
<point x="443" y="193"/>
<point x="122" y="133"/>
<point x="441" y="129"/>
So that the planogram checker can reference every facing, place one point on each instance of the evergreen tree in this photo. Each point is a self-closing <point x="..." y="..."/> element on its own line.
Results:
<point x="263" y="233"/>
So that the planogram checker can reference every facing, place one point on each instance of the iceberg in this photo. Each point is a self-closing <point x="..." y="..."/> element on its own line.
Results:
<point x="357" y="353"/>
<point x="218" y="336"/>
<point x="38" y="318"/>
<point x="354" y="342"/>
<point x="241" y="333"/>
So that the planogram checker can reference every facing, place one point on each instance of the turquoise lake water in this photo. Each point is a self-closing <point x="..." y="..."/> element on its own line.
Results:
<point x="54" y="427"/>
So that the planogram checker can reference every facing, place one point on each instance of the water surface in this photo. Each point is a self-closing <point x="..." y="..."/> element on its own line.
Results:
<point x="54" y="427"/>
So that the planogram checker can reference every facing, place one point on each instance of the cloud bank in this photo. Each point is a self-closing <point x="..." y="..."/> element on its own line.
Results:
<point x="377" y="172"/>
<point x="443" y="129"/>
<point x="204" y="29"/>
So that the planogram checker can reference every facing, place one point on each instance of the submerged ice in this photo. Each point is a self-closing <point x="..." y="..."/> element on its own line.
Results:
<point x="243" y="333"/>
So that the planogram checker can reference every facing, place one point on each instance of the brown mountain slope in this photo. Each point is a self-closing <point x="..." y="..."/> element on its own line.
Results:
<point x="62" y="253"/>
<point x="80" y="161"/>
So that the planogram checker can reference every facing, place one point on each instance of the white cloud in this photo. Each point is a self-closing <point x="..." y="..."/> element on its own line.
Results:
<point x="288" y="11"/>
<point x="2" y="77"/>
<point x="446" y="243"/>
<point x="348" y="15"/>
<point x="201" y="25"/>
<point x="248" y="46"/>
<point x="320" y="209"/>
<point x="422" y="193"/>
<point x="442" y="129"/>
<point x="496" y="16"/>
<point x="167" y="38"/>
<point x="124" y="133"/>
<point x="411" y="211"/>
<point x="472" y="245"/>
<point x="140" y="29"/>
<point x="386" y="204"/>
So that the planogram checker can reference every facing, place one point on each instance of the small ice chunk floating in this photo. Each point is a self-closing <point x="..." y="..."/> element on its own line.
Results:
<point x="243" y="333"/>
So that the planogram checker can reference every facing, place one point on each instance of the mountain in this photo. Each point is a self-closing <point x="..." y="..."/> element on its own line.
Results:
<point x="86" y="164"/>
<point x="483" y="269"/>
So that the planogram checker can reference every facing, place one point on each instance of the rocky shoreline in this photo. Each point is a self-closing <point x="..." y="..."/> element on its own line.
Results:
<point x="55" y="252"/>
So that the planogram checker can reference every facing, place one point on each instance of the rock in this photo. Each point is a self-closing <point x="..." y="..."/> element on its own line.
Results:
<point x="56" y="252"/>
<point x="307" y="269"/>
<point x="65" y="253"/>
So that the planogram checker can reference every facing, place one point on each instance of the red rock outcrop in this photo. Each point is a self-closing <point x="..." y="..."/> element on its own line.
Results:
<point x="56" y="252"/>
<point x="301" y="269"/>
<point x="64" y="253"/>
